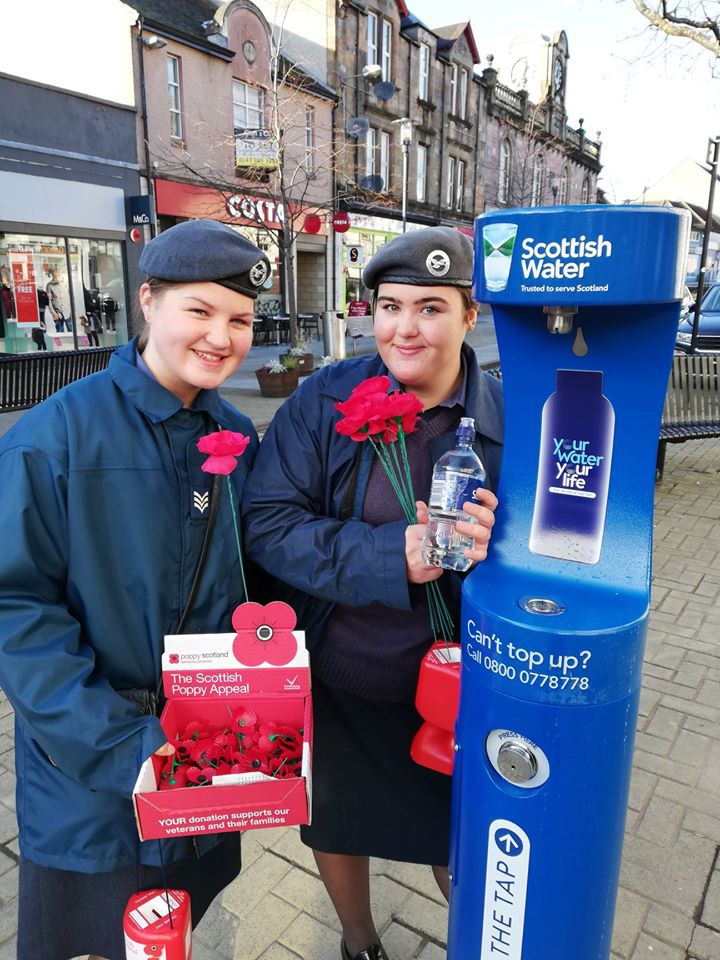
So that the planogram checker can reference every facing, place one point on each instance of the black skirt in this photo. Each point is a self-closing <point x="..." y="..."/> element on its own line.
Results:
<point x="369" y="797"/>
<point x="62" y="915"/>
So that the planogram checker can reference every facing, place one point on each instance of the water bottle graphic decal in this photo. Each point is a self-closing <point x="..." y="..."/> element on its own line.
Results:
<point x="576" y="444"/>
<point x="498" y="247"/>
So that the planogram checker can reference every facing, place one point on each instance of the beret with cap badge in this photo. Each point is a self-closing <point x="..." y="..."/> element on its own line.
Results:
<point x="435" y="256"/>
<point x="201" y="251"/>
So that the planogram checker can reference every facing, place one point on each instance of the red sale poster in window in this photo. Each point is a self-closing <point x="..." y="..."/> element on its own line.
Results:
<point x="23" y="274"/>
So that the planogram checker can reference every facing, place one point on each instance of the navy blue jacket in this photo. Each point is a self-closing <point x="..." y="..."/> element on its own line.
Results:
<point x="100" y="546"/>
<point x="298" y="523"/>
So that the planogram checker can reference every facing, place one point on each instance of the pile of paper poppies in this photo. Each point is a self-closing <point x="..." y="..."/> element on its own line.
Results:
<point x="244" y="745"/>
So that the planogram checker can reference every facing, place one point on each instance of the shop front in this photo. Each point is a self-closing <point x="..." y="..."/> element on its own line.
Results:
<point x="62" y="265"/>
<point x="361" y="242"/>
<point x="60" y="293"/>
<point x="261" y="219"/>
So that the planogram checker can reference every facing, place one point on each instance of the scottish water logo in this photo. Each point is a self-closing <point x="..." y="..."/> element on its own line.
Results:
<point x="498" y="246"/>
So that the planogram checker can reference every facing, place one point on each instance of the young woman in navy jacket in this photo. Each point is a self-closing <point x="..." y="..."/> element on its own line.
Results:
<point x="321" y="516"/>
<point x="104" y="517"/>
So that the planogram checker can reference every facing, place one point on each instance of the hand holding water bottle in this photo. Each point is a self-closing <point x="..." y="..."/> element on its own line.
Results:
<point x="478" y="526"/>
<point x="458" y="491"/>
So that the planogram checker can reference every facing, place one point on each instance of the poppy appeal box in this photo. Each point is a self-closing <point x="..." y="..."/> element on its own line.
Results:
<point x="239" y="714"/>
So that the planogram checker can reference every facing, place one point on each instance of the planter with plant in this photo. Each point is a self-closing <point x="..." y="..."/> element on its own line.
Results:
<point x="278" y="378"/>
<point x="302" y="353"/>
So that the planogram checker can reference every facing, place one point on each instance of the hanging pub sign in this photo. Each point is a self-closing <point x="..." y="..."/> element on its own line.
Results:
<point x="255" y="149"/>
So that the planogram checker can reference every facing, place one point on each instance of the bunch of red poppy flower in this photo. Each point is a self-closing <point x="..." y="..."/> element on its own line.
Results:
<point x="385" y="419"/>
<point x="245" y="745"/>
<point x="371" y="412"/>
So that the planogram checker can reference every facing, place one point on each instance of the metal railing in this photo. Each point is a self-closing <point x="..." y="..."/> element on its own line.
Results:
<point x="29" y="378"/>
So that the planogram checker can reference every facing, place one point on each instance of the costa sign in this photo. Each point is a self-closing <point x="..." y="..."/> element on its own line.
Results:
<point x="258" y="210"/>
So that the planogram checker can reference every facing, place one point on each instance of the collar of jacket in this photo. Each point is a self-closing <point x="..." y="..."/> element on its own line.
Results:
<point x="151" y="397"/>
<point x="479" y="396"/>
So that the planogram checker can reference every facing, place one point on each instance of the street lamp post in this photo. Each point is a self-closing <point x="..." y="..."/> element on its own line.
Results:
<point x="405" y="139"/>
<point x="153" y="42"/>
<point x="713" y="155"/>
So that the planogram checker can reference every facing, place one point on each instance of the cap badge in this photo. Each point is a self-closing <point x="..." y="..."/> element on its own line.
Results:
<point x="258" y="274"/>
<point x="437" y="263"/>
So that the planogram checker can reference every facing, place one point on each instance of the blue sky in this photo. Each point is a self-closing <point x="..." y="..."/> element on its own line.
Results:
<point x="655" y="101"/>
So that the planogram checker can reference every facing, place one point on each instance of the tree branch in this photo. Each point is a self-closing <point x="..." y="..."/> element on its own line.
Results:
<point x="674" y="25"/>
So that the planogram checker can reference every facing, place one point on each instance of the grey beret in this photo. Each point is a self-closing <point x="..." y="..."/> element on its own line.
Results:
<point x="433" y="257"/>
<point x="204" y="250"/>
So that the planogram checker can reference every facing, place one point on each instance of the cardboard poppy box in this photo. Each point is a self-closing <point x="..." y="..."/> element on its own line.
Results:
<point x="239" y="713"/>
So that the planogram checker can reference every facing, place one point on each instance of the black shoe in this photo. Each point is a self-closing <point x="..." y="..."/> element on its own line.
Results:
<point x="373" y="952"/>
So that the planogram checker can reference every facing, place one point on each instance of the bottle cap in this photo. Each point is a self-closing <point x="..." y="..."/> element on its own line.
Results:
<point x="466" y="430"/>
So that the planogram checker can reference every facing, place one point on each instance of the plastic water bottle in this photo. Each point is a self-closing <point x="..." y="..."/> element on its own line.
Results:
<point x="456" y="476"/>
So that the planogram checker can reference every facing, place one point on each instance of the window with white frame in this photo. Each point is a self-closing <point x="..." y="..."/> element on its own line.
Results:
<point x="564" y="186"/>
<point x="462" y="95"/>
<point x="174" y="97"/>
<point x="370" y="145"/>
<point x="450" y="190"/>
<point x="309" y="139"/>
<point x="248" y="106"/>
<point x="385" y="159"/>
<point x="386" y="50"/>
<point x="505" y="172"/>
<point x="585" y="192"/>
<point x="453" y="87"/>
<point x="421" y="173"/>
<point x="460" y="185"/>
<point x="424" y="72"/>
<point x="538" y="181"/>
<point x="372" y="38"/>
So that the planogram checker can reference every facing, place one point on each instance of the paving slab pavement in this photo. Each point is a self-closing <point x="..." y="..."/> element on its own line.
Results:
<point x="669" y="900"/>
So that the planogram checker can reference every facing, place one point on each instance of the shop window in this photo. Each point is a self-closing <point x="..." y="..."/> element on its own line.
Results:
<point x="60" y="293"/>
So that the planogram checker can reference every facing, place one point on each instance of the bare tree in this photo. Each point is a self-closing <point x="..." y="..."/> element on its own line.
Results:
<point x="696" y="20"/>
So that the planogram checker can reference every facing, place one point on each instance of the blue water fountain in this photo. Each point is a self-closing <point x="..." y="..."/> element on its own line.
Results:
<point x="586" y="302"/>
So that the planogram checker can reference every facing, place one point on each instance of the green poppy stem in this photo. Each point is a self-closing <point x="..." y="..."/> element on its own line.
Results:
<point x="236" y="525"/>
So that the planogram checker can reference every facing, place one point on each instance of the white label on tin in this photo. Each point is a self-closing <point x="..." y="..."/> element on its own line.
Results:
<point x="506" y="876"/>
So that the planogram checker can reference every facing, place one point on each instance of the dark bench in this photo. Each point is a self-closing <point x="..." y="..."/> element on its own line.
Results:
<point x="692" y="403"/>
<point x="28" y="378"/>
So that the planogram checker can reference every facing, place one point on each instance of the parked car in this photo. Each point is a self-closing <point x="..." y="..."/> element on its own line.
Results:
<point x="708" y="339"/>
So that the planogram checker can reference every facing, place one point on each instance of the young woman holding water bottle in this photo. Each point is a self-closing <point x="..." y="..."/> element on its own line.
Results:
<point x="321" y="515"/>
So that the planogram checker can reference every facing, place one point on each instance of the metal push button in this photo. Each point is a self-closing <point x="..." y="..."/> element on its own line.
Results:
<point x="516" y="762"/>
